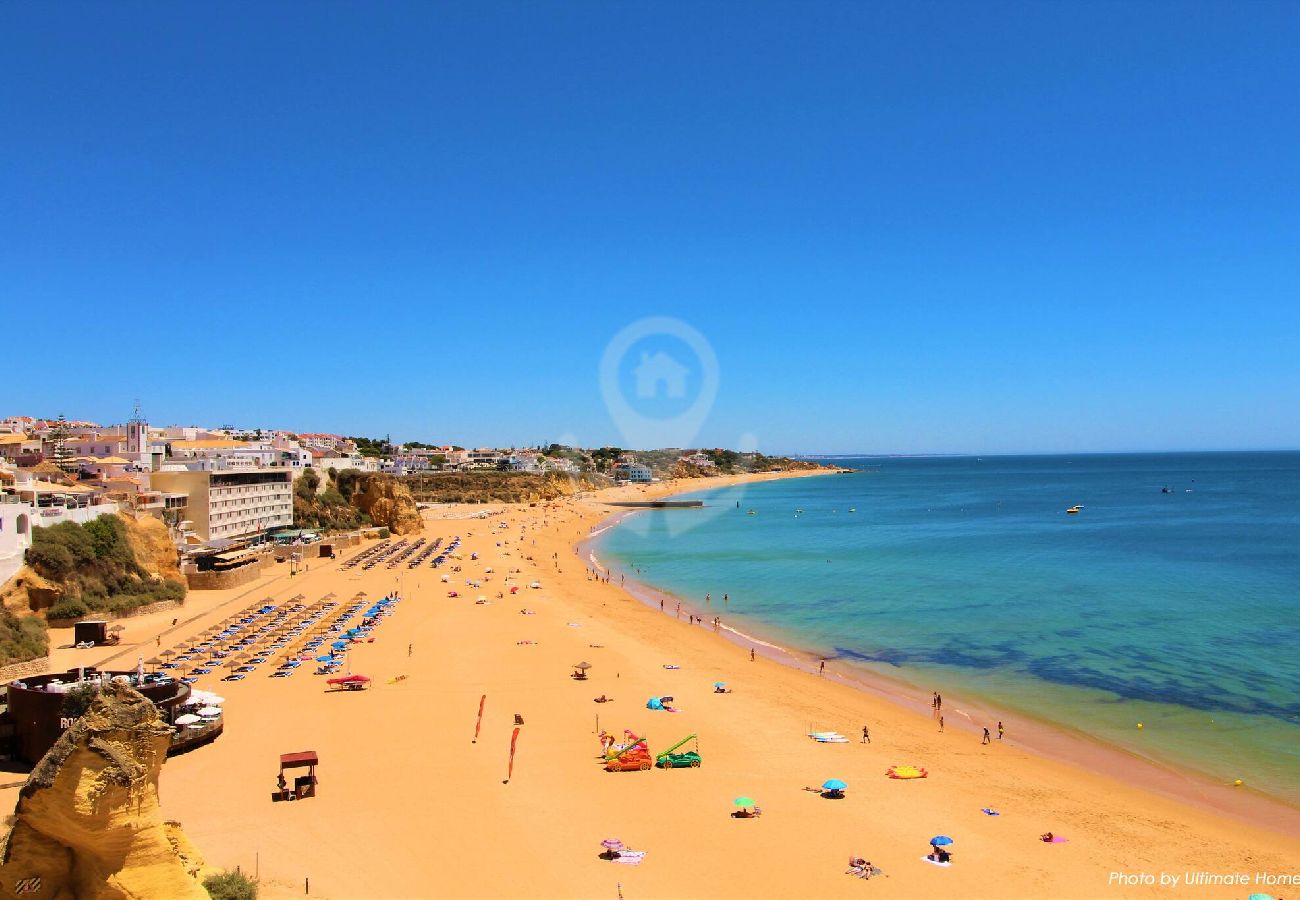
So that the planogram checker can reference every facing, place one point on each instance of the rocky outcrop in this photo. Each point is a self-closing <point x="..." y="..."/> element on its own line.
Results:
<point x="389" y="504"/>
<point x="153" y="546"/>
<point x="28" y="592"/>
<point x="88" y="823"/>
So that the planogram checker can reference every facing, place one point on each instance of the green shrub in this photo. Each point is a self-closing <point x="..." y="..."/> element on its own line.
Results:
<point x="230" y="886"/>
<point x="22" y="638"/>
<point x="67" y="608"/>
<point x="77" y="700"/>
<point x="96" y="567"/>
<point x="51" y="560"/>
<point x="384" y="532"/>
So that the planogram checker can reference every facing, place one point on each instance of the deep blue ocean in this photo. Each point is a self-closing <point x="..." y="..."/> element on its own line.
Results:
<point x="1177" y="609"/>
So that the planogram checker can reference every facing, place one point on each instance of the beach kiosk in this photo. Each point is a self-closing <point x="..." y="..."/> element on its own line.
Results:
<point x="304" y="786"/>
<point x="93" y="632"/>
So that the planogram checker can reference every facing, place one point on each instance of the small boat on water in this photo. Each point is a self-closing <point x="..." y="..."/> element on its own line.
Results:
<point x="1074" y="510"/>
<point x="752" y="513"/>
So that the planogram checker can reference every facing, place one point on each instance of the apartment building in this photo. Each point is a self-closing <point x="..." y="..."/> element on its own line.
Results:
<point x="231" y="504"/>
<point x="484" y="458"/>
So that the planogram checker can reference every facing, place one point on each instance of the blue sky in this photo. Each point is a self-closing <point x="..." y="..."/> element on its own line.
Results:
<point x="900" y="228"/>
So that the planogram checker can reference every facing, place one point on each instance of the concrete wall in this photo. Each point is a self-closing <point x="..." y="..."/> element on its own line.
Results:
<point x="38" y="666"/>
<point x="16" y="521"/>
<point x="111" y="616"/>
<point x="81" y="515"/>
<point x="221" y="581"/>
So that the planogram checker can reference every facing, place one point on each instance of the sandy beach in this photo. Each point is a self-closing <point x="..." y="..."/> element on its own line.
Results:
<point x="410" y="806"/>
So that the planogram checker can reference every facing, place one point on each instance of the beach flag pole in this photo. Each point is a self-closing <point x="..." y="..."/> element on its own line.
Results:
<point x="510" y="771"/>
<point x="479" y="723"/>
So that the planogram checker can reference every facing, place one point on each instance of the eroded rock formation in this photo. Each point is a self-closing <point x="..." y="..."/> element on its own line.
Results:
<point x="88" y="823"/>
<point x="389" y="504"/>
<point x="153" y="546"/>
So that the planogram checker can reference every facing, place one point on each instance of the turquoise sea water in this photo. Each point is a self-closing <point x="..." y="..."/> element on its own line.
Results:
<point x="1180" y="610"/>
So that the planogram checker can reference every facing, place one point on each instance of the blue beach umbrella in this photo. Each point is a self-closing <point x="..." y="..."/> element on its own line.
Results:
<point x="324" y="659"/>
<point x="834" y="784"/>
<point x="941" y="841"/>
<point x="717" y="684"/>
<point x="339" y="645"/>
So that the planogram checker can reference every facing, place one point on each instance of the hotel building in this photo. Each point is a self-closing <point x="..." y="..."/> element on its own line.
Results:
<point x="231" y="504"/>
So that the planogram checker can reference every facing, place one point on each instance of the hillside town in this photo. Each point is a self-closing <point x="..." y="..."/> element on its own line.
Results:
<point x="220" y="488"/>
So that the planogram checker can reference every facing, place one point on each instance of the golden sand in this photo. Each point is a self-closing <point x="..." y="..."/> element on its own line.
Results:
<point x="409" y="806"/>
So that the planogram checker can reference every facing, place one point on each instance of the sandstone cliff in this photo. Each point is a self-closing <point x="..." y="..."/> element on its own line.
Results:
<point x="389" y="504"/>
<point x="27" y="591"/>
<point x="153" y="546"/>
<point x="500" y="487"/>
<point x="88" y="824"/>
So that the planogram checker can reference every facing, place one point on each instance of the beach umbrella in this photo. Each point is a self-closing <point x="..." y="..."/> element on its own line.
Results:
<point x="1260" y="897"/>
<point x="153" y="662"/>
<point x="324" y="659"/>
<point x="611" y="846"/>
<point x="834" y="784"/>
<point x="168" y="652"/>
<point x="584" y="666"/>
<point x="744" y="802"/>
<point x="941" y="841"/>
<point x="209" y="712"/>
<point x="719" y="684"/>
<point x="187" y="719"/>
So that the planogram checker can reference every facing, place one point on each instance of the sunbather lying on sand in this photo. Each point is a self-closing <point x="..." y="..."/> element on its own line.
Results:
<point x="860" y="867"/>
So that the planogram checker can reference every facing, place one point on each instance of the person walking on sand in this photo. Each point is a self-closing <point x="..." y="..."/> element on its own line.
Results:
<point x="679" y="609"/>
<point x="661" y="604"/>
<point x="988" y="738"/>
<point x="999" y="730"/>
<point x="751" y="654"/>
<point x="866" y="735"/>
<point x="409" y="649"/>
<point x="938" y="701"/>
<point x="821" y="669"/>
<point x="941" y="724"/>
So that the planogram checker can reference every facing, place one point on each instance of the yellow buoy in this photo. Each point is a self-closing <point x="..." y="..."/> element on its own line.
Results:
<point x="1238" y="782"/>
<point x="1139" y="725"/>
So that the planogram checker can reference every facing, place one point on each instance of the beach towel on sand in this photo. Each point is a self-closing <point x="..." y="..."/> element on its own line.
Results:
<point x="990" y="812"/>
<point x="932" y="862"/>
<point x="630" y="857"/>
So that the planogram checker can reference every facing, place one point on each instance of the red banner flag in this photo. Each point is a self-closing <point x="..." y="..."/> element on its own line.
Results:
<point x="479" y="723"/>
<point x="511" y="770"/>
